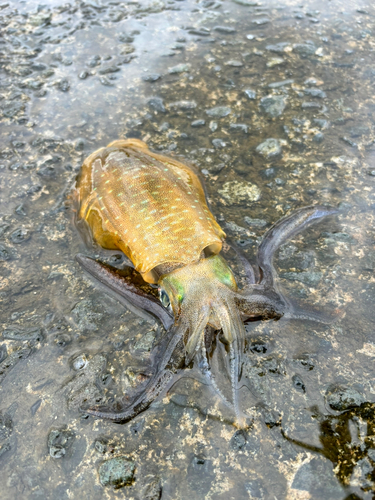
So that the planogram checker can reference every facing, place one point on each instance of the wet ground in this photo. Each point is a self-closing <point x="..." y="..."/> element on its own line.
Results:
<point x="274" y="104"/>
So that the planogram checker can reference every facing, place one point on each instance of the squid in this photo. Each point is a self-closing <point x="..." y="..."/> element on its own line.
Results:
<point x="153" y="208"/>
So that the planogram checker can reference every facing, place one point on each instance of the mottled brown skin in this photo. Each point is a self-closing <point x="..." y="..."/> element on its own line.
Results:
<point x="153" y="208"/>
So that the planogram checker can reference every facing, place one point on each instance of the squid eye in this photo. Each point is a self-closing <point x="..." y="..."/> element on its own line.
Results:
<point x="164" y="299"/>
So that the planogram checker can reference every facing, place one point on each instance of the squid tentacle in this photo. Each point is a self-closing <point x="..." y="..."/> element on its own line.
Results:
<point x="281" y="231"/>
<point x="124" y="290"/>
<point x="160" y="381"/>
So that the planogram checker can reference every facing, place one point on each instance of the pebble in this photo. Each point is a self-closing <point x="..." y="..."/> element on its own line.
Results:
<point x="261" y="21"/>
<point x="304" y="49"/>
<point x="180" y="68"/>
<point x="116" y="472"/>
<point x="184" y="105"/>
<point x="283" y="83"/>
<point x="225" y="29"/>
<point x="279" y="48"/>
<point x="234" y="63"/>
<point x="275" y="61"/>
<point x="311" y="105"/>
<point x="269" y="148"/>
<point x="255" y="222"/>
<point x="198" y="123"/>
<point x="59" y="442"/>
<point x="341" y="398"/>
<point x="240" y="126"/>
<point x="63" y="85"/>
<point x="239" y="192"/>
<point x="219" y="111"/>
<point x="273" y="105"/>
<point x="153" y="77"/>
<point x="157" y="104"/>
<point x="315" y="93"/>
<point x="213" y="126"/>
<point x="109" y="70"/>
<point x="251" y="94"/>
<point x="218" y="143"/>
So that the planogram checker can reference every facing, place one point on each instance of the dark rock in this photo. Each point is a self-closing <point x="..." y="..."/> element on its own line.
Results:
<point x="343" y="398"/>
<point x="225" y="29"/>
<point x="239" y="440"/>
<point x="258" y="346"/>
<point x="305" y="361"/>
<point x="117" y="472"/>
<point x="273" y="105"/>
<point x="278" y="48"/>
<point x="59" y="442"/>
<point x="304" y="49"/>
<point x="63" y="85"/>
<point x="101" y="446"/>
<point x="35" y="407"/>
<point x="199" y="32"/>
<point x="109" y="70"/>
<point x="5" y="253"/>
<point x="157" y="104"/>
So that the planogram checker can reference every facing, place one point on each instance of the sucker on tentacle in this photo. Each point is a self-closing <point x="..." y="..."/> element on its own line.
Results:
<point x="153" y="208"/>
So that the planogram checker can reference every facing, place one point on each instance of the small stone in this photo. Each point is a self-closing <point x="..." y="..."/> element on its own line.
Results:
<point x="213" y="126"/>
<point x="153" y="77"/>
<point x="234" y="63"/>
<point x="315" y="93"/>
<point x="269" y="148"/>
<point x="180" y="68"/>
<point x="310" y="105"/>
<point x="117" y="472"/>
<point x="224" y="29"/>
<point x="198" y="123"/>
<point x="283" y="83"/>
<point x="251" y="94"/>
<point x="59" y="442"/>
<point x="261" y="21"/>
<point x="275" y="61"/>
<point x="239" y="440"/>
<point x="184" y="105"/>
<point x="219" y="111"/>
<point x="342" y="398"/>
<point x="304" y="49"/>
<point x="63" y="85"/>
<point x="83" y="75"/>
<point x="273" y="105"/>
<point x="255" y="222"/>
<point x="157" y="104"/>
<point x="278" y="47"/>
<point x="318" y="138"/>
<point x="240" y="126"/>
<point x="218" y="143"/>
<point x="239" y="192"/>
<point x="79" y="362"/>
<point x="109" y="70"/>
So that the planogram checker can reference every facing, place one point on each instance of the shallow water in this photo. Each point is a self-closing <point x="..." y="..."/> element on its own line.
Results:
<point x="77" y="76"/>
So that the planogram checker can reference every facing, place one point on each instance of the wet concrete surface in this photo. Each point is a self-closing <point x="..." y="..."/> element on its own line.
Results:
<point x="273" y="103"/>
